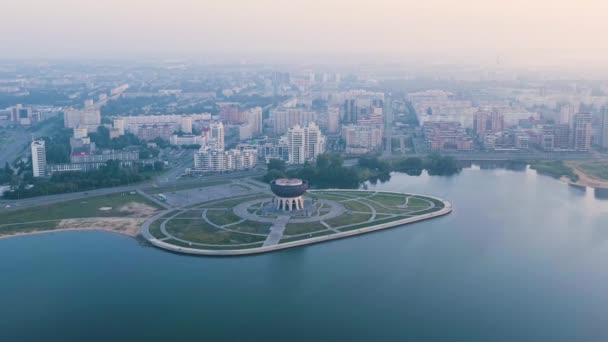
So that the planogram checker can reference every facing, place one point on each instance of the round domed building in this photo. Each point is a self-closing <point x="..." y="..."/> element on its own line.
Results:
<point x="288" y="193"/>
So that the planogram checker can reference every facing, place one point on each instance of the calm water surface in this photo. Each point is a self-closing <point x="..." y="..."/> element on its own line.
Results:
<point x="522" y="258"/>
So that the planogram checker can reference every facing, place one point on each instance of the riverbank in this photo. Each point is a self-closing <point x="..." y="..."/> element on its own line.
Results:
<point x="584" y="178"/>
<point x="132" y="234"/>
<point x="119" y="213"/>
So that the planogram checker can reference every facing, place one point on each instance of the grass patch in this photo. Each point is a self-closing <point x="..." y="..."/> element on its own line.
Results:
<point x="389" y="200"/>
<point x="417" y="202"/>
<point x="554" y="168"/>
<point x="81" y="208"/>
<point x="12" y="229"/>
<point x="254" y="227"/>
<point x="346" y="219"/>
<point x="356" y="206"/>
<point x="381" y="209"/>
<point x="222" y="217"/>
<point x="190" y="214"/>
<point x="200" y="231"/>
<point x="597" y="170"/>
<point x="302" y="228"/>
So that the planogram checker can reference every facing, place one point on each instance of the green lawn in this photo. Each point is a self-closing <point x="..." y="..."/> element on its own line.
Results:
<point x="356" y="206"/>
<point x="11" y="229"/>
<point x="254" y="227"/>
<point x="598" y="170"/>
<point x="191" y="214"/>
<point x="381" y="209"/>
<point x="81" y="208"/>
<point x="417" y="203"/>
<point x="222" y="217"/>
<point x="553" y="168"/>
<point x="346" y="219"/>
<point x="301" y="228"/>
<point x="389" y="200"/>
<point x="201" y="232"/>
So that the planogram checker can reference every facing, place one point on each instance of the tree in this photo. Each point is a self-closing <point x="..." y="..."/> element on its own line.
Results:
<point x="323" y="160"/>
<point x="276" y="164"/>
<point x="272" y="175"/>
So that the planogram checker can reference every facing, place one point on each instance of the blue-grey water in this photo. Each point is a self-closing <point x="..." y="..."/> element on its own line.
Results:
<point x="523" y="257"/>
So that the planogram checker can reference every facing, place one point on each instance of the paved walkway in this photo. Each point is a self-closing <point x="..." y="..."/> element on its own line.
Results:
<point x="276" y="231"/>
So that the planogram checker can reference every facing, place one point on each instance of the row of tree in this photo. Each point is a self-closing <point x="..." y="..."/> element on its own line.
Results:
<point x="329" y="172"/>
<point x="109" y="175"/>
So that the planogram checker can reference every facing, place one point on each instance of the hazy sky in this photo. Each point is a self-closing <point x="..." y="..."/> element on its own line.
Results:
<point x="520" y="31"/>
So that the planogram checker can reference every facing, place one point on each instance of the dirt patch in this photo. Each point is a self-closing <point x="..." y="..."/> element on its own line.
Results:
<point x="127" y="226"/>
<point x="137" y="210"/>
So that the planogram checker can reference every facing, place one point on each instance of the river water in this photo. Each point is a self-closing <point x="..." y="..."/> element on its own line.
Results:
<point x="523" y="257"/>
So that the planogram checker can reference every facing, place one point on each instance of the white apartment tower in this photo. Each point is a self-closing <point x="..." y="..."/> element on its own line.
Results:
<point x="38" y="158"/>
<point x="305" y="143"/>
<point x="296" y="140"/>
<point x="216" y="134"/>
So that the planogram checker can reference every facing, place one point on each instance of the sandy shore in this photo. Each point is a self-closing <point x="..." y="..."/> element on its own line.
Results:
<point x="128" y="226"/>
<point x="124" y="226"/>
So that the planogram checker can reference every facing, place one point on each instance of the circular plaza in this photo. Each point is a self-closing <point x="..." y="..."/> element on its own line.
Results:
<point x="262" y="221"/>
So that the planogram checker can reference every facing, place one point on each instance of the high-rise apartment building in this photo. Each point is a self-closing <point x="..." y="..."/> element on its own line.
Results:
<point x="604" y="128"/>
<point x="216" y="135"/>
<point x="87" y="118"/>
<point x="566" y="114"/>
<point x="287" y="117"/>
<point x="333" y="119"/>
<point x="582" y="132"/>
<point x="488" y="122"/>
<point x="305" y="143"/>
<point x="38" y="158"/>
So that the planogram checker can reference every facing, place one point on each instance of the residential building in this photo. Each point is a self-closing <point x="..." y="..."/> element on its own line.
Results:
<point x="38" y="158"/>
<point x="333" y="120"/>
<point x="446" y="135"/>
<point x="284" y="118"/>
<point x="216" y="134"/>
<point x="149" y="127"/>
<point x="275" y="149"/>
<point x="215" y="160"/>
<point x="84" y="118"/>
<point x="361" y="138"/>
<point x="604" y="128"/>
<point x="305" y="143"/>
<point x="582" y="132"/>
<point x="187" y="139"/>
<point x="488" y="122"/>
<point x="186" y="124"/>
